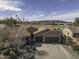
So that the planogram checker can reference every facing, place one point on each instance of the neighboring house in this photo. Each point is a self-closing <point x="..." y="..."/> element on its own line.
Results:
<point x="64" y="23"/>
<point x="72" y="32"/>
<point x="43" y="34"/>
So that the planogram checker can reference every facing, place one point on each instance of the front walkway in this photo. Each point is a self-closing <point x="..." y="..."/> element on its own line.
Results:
<point x="53" y="51"/>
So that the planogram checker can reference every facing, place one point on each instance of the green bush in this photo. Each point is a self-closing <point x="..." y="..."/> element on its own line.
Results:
<point x="68" y="41"/>
<point x="9" y="21"/>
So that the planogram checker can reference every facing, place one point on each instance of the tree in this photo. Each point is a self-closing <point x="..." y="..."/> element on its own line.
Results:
<point x="16" y="16"/>
<point x="9" y="46"/>
<point x="9" y="21"/>
<point x="11" y="49"/>
<point x="7" y="35"/>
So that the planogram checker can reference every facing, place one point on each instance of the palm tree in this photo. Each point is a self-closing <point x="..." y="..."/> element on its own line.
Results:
<point x="16" y="16"/>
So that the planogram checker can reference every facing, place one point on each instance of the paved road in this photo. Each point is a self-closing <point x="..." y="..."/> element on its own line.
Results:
<point x="54" y="51"/>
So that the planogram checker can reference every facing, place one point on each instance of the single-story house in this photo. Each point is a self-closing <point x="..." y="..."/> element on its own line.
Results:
<point x="43" y="34"/>
<point x="47" y="35"/>
<point x="72" y="32"/>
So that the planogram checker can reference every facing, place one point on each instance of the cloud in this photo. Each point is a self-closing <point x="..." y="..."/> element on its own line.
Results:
<point x="9" y="5"/>
<point x="63" y="15"/>
<point x="37" y="12"/>
<point x="63" y="0"/>
<point x="30" y="14"/>
<point x="59" y="15"/>
<point x="35" y="17"/>
<point x="9" y="8"/>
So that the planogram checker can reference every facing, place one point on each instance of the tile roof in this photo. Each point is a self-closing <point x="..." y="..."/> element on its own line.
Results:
<point x="52" y="34"/>
<point x="40" y="29"/>
<point x="42" y="32"/>
<point x="74" y="29"/>
<point x="46" y="32"/>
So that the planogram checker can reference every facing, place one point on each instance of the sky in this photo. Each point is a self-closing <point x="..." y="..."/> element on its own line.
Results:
<point x="34" y="10"/>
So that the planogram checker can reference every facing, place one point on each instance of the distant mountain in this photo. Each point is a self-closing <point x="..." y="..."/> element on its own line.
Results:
<point x="49" y="22"/>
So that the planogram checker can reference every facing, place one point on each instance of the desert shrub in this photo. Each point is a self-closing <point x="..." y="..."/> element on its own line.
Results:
<point x="70" y="41"/>
<point x="75" y="47"/>
<point x="7" y="35"/>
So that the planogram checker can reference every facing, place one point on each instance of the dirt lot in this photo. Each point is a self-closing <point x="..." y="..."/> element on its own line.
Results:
<point x="53" y="51"/>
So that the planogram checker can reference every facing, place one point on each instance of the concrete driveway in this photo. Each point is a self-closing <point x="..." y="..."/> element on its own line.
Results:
<point x="53" y="51"/>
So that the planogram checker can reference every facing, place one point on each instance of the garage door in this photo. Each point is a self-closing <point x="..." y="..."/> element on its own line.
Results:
<point x="39" y="39"/>
<point x="51" y="39"/>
